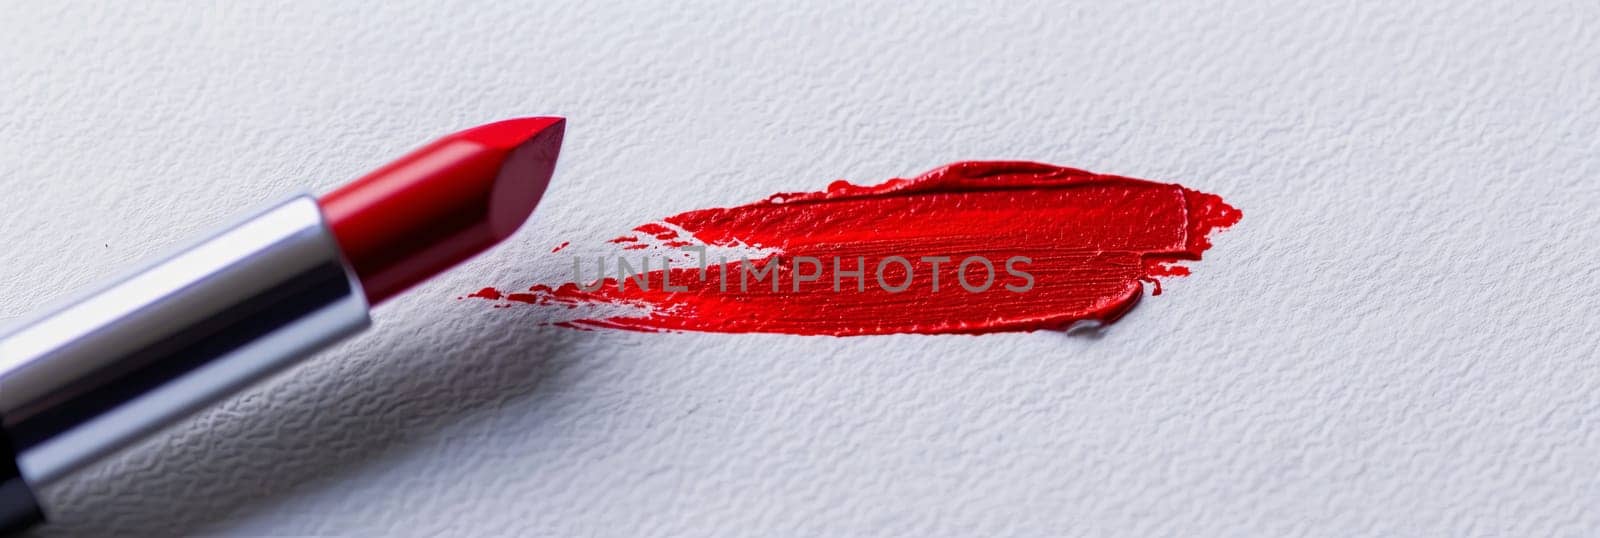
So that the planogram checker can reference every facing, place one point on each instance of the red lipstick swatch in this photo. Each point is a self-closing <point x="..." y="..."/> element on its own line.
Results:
<point x="860" y="260"/>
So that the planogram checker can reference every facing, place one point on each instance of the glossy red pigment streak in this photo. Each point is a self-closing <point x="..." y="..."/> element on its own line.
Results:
<point x="441" y="204"/>
<point x="1091" y="241"/>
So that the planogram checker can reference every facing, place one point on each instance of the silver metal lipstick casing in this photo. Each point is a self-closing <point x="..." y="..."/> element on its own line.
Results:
<point x="113" y="366"/>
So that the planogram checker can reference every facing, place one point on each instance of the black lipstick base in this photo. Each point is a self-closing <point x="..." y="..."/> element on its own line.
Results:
<point x="18" y="508"/>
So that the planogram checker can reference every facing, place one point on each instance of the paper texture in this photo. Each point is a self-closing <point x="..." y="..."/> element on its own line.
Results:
<point x="1398" y="339"/>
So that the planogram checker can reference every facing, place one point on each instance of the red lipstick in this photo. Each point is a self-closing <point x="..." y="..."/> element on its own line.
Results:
<point x="83" y="380"/>
<point x="971" y="247"/>
<point x="441" y="204"/>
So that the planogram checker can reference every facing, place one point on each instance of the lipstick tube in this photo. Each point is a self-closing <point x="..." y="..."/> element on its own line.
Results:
<point x="127" y="360"/>
<point x="79" y="382"/>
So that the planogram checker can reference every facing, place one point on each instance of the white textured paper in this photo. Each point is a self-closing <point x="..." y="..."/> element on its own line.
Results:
<point x="1400" y="338"/>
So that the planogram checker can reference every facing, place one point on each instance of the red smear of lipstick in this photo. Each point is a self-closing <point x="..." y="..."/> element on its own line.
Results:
<point x="1090" y="241"/>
